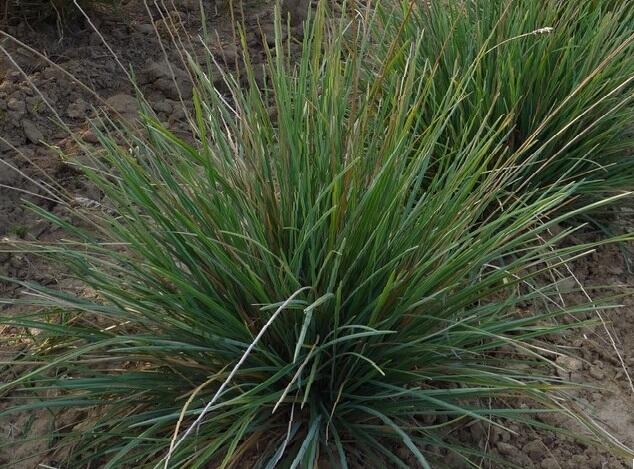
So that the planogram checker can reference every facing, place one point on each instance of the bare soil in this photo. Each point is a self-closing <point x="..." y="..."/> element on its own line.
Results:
<point x="26" y="121"/>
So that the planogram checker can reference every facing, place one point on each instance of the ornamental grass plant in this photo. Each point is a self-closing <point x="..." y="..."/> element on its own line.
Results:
<point x="563" y="72"/>
<point x="295" y="284"/>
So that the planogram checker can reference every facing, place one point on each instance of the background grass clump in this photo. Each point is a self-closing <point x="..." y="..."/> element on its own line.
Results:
<point x="563" y="71"/>
<point x="295" y="283"/>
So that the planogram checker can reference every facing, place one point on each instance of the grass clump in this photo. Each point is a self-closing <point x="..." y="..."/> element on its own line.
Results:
<point x="296" y="285"/>
<point x="563" y="71"/>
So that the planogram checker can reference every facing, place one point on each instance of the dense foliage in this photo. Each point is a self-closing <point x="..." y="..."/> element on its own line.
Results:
<point x="325" y="271"/>
<point x="563" y="72"/>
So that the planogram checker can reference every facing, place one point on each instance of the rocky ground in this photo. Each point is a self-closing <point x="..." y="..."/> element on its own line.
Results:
<point x="27" y="165"/>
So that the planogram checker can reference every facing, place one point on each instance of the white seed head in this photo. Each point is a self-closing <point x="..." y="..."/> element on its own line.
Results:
<point x="545" y="30"/>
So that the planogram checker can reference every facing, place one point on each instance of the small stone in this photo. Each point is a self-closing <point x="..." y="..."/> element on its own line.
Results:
<point x="568" y="365"/>
<point x="17" y="105"/>
<point x="597" y="373"/>
<point x="567" y="284"/>
<point x="506" y="449"/>
<point x="178" y="112"/>
<point x="167" y="87"/>
<point x="477" y="431"/>
<point x="32" y="132"/>
<point x="163" y="106"/>
<point x="26" y="89"/>
<point x="229" y="53"/>
<point x="504" y="435"/>
<point x="579" y="460"/>
<point x="89" y="136"/>
<point x="172" y="81"/>
<point x="78" y="109"/>
<point x="535" y="449"/>
<point x="157" y="70"/>
<point x="51" y="73"/>
<point x="123" y="104"/>
<point x="550" y="463"/>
